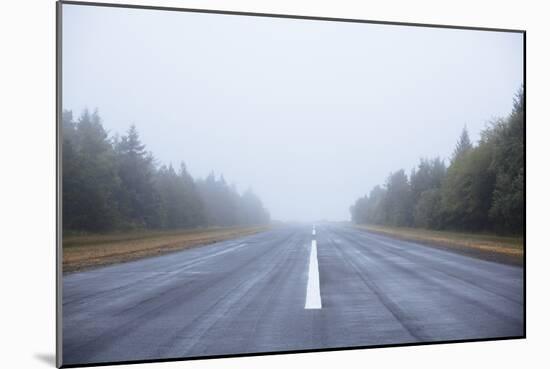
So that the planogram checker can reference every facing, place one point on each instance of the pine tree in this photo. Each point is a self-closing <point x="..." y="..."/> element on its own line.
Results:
<point x="139" y="201"/>
<point x="462" y="146"/>
<point x="507" y="210"/>
<point x="90" y="181"/>
<point x="398" y="200"/>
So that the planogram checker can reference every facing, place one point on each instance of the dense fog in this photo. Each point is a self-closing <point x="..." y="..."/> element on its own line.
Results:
<point x="303" y="117"/>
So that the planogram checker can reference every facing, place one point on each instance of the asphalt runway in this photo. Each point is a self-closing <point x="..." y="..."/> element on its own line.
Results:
<point x="293" y="287"/>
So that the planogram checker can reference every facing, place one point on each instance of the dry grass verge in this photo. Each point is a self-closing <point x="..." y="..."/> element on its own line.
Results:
<point x="87" y="251"/>
<point x="485" y="246"/>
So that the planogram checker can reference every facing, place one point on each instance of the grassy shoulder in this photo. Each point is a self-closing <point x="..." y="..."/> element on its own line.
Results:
<point x="485" y="246"/>
<point x="88" y="251"/>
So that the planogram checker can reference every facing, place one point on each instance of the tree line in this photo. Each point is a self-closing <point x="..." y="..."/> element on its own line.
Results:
<point x="482" y="188"/>
<point x="114" y="183"/>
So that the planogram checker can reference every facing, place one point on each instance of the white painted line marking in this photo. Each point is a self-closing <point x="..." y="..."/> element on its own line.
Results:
<point x="206" y="258"/>
<point x="313" y="232"/>
<point x="226" y="250"/>
<point x="313" y="294"/>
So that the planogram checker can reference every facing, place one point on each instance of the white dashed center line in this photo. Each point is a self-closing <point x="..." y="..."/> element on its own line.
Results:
<point x="313" y="294"/>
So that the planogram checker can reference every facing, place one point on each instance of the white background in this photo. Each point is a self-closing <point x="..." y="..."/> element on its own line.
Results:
<point x="27" y="151"/>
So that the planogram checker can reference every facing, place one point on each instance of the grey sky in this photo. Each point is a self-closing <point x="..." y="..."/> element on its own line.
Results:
<point x="310" y="114"/>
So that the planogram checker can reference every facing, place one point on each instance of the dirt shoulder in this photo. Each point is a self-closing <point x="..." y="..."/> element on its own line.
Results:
<point x="509" y="250"/>
<point x="88" y="251"/>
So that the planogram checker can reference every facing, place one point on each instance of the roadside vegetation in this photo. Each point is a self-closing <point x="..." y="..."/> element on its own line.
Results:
<point x="113" y="184"/>
<point x="508" y="249"/>
<point x="481" y="190"/>
<point x="91" y="250"/>
<point x="120" y="204"/>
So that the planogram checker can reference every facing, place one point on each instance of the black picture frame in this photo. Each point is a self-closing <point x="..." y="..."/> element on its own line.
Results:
<point x="58" y="156"/>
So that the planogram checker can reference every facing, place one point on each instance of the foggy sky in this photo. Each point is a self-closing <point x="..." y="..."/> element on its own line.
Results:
<point x="310" y="114"/>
